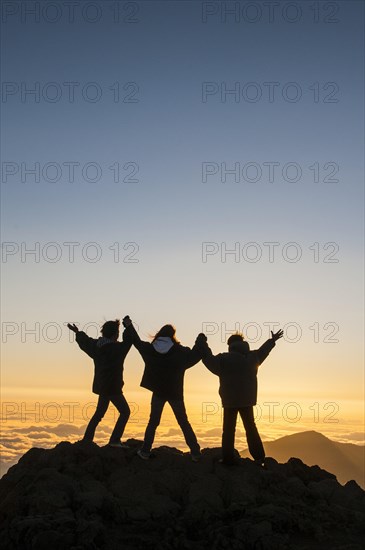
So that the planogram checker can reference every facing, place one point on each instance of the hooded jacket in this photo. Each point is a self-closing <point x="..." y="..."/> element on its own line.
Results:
<point x="165" y="365"/>
<point x="108" y="357"/>
<point x="237" y="371"/>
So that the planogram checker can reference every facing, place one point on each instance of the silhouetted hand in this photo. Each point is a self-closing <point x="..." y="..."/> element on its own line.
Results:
<point x="127" y="321"/>
<point x="275" y="336"/>
<point x="73" y="327"/>
<point x="201" y="338"/>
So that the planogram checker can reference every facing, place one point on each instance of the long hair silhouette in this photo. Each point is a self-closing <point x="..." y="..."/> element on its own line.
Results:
<point x="168" y="331"/>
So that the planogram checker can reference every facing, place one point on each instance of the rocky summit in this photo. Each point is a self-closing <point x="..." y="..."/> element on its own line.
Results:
<point x="84" y="497"/>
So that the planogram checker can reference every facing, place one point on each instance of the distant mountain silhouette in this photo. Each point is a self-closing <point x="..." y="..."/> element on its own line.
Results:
<point x="84" y="497"/>
<point x="345" y="460"/>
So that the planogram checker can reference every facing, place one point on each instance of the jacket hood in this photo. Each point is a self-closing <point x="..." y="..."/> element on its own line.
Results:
<point x="102" y="341"/>
<point x="163" y="344"/>
<point x="108" y="349"/>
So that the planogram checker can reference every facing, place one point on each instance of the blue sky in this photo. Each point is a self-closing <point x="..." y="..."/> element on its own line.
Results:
<point x="168" y="54"/>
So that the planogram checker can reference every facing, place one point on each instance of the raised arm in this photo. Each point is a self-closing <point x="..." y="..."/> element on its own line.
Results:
<point x="133" y="336"/>
<point x="196" y="353"/>
<point x="212" y="362"/>
<point x="127" y="337"/>
<point x="265" y="349"/>
<point x="84" y="341"/>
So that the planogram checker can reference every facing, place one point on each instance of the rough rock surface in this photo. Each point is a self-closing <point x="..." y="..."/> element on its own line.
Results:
<point x="84" y="497"/>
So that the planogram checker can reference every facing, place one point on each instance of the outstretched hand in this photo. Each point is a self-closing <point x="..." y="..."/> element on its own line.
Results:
<point x="127" y="321"/>
<point x="73" y="327"/>
<point x="276" y="335"/>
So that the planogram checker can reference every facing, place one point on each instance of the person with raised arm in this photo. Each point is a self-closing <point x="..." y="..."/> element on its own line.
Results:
<point x="237" y="371"/>
<point x="166" y="361"/>
<point x="108" y="355"/>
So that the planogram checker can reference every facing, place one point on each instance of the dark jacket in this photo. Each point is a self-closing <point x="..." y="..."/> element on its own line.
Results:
<point x="108" y="361"/>
<point x="164" y="372"/>
<point x="237" y="374"/>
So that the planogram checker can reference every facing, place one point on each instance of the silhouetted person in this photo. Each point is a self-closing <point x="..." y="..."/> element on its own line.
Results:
<point x="237" y="371"/>
<point x="166" y="361"/>
<point x="108" y="355"/>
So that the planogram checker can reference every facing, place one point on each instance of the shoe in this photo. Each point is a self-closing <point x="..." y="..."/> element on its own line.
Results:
<point x="143" y="454"/>
<point x="118" y="445"/>
<point x="196" y="457"/>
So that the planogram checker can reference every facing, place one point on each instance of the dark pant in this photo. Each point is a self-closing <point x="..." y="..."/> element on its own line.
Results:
<point x="229" y="427"/>
<point x="121" y="405"/>
<point x="178" y="407"/>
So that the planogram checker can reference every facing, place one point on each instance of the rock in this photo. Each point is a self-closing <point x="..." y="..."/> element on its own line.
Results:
<point x="50" y="538"/>
<point x="324" y="489"/>
<point x="204" y="497"/>
<point x="85" y="497"/>
<point x="307" y="473"/>
<point x="259" y="532"/>
<point x="353" y="491"/>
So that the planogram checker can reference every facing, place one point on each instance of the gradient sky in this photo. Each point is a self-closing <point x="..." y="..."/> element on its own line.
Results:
<point x="168" y="52"/>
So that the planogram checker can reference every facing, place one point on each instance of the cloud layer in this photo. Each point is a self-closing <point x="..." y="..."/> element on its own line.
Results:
<point x="18" y="437"/>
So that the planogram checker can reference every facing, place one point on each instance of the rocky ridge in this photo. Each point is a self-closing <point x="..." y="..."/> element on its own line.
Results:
<point x="84" y="497"/>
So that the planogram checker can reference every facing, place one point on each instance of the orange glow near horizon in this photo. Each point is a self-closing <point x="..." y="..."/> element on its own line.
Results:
<point x="302" y="386"/>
